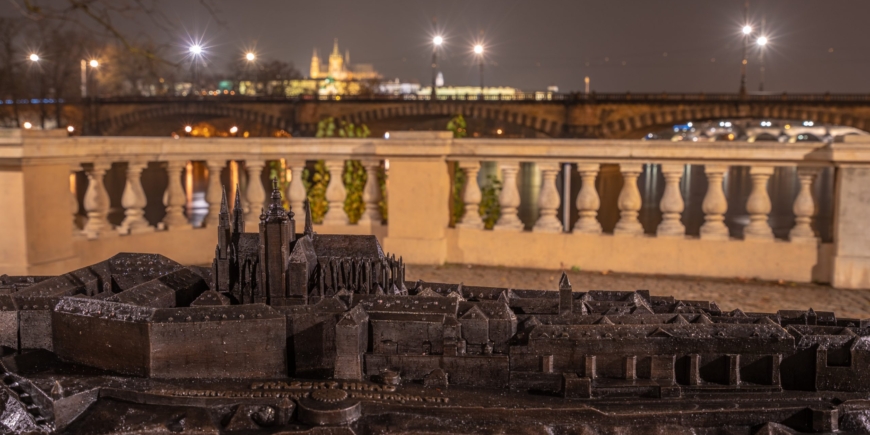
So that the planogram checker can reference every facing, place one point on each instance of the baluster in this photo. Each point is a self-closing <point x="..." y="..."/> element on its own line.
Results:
<point x="174" y="199"/>
<point x="134" y="201"/>
<point x="96" y="202"/>
<point x="715" y="204"/>
<point x="758" y="205"/>
<point x="73" y="199"/>
<point x="214" y="193"/>
<point x="629" y="202"/>
<point x="471" y="197"/>
<point x="335" y="194"/>
<point x="254" y="193"/>
<point x="672" y="203"/>
<point x="804" y="209"/>
<point x="548" y="201"/>
<point x="588" y="201"/>
<point x="509" y="199"/>
<point x="371" y="194"/>
<point x="296" y="190"/>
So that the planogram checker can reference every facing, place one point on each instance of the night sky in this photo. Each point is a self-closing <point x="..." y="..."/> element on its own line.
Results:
<point x="627" y="45"/>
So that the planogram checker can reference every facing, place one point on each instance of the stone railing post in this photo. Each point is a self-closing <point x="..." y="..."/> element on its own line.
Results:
<point x="96" y="202"/>
<point x="254" y="194"/>
<point x="509" y="199"/>
<point x="804" y="208"/>
<point x="74" y="200"/>
<point x="851" y="265"/>
<point x="134" y="201"/>
<point x="471" y="197"/>
<point x="672" y="204"/>
<point x="214" y="192"/>
<point x="588" y="201"/>
<point x="715" y="204"/>
<point x="548" y="201"/>
<point x="175" y="199"/>
<point x="758" y="205"/>
<point x="629" y="201"/>
<point x="335" y="194"/>
<point x="371" y="194"/>
<point x="296" y="189"/>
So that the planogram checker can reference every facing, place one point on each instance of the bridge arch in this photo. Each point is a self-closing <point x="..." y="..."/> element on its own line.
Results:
<point x="116" y="124"/>
<point x="638" y="123"/>
<point x="548" y="125"/>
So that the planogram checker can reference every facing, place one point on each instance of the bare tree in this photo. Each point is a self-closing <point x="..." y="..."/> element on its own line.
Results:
<point x="11" y="85"/>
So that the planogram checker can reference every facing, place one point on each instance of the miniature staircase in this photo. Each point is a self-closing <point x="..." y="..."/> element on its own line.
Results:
<point x="25" y="400"/>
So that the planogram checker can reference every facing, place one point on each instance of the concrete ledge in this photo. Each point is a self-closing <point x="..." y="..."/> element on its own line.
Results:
<point x="645" y="255"/>
<point x="851" y="272"/>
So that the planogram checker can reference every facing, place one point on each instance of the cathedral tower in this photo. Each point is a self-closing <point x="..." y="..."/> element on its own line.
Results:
<point x="277" y="232"/>
<point x="314" y="73"/>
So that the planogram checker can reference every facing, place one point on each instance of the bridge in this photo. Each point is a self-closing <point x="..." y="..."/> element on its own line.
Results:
<point x="624" y="115"/>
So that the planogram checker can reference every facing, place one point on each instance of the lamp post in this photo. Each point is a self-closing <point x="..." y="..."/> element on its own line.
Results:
<point x="747" y="30"/>
<point x="93" y="63"/>
<point x="436" y="42"/>
<point x="34" y="63"/>
<point x="195" y="52"/>
<point x="250" y="57"/>
<point x="761" y="42"/>
<point x="478" y="50"/>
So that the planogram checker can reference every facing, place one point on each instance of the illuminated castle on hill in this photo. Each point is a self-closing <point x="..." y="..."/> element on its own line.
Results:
<point x="338" y="67"/>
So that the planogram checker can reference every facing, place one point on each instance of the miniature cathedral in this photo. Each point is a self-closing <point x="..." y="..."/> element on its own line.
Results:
<point x="278" y="267"/>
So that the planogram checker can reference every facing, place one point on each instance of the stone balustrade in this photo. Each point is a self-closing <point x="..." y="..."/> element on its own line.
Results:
<point x="37" y="170"/>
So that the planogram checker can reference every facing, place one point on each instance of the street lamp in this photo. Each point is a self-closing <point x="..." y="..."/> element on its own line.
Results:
<point x="93" y="63"/>
<point x="436" y="42"/>
<point x="747" y="29"/>
<point x="478" y="50"/>
<point x="761" y="42"/>
<point x="250" y="56"/>
<point x="195" y="51"/>
<point x="34" y="57"/>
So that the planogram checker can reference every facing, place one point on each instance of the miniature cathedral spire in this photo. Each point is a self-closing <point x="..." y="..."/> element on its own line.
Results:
<point x="309" y="227"/>
<point x="238" y="213"/>
<point x="276" y="211"/>
<point x="566" y="297"/>
<point x="224" y="215"/>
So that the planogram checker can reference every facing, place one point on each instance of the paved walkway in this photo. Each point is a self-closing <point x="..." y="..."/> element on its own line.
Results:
<point x="748" y="295"/>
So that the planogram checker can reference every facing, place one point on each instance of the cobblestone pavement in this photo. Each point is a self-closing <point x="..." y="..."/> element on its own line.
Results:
<point x="748" y="295"/>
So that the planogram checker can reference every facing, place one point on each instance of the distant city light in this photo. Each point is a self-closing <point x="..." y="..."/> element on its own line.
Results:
<point x="747" y="29"/>
<point x="34" y="57"/>
<point x="234" y="129"/>
<point x="387" y="135"/>
<point x="478" y="49"/>
<point x="250" y="56"/>
<point x="766" y="124"/>
<point x="188" y="129"/>
<point x="808" y="123"/>
<point x="196" y="49"/>
<point x="438" y="40"/>
<point x="94" y="63"/>
<point x="27" y="125"/>
<point x="70" y="129"/>
<point x="498" y="131"/>
<point x="761" y="41"/>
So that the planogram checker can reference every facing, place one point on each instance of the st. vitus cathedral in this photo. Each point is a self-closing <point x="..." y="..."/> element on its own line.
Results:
<point x="322" y="334"/>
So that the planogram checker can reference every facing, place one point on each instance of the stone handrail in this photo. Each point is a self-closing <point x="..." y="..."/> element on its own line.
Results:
<point x="39" y="167"/>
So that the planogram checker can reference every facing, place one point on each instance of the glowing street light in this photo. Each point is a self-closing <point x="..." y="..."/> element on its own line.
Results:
<point x="34" y="57"/>
<point x="188" y="129"/>
<point x="478" y="50"/>
<point x="747" y="29"/>
<point x="27" y="125"/>
<point x="70" y="129"/>
<point x="234" y="129"/>
<point x="196" y="49"/>
<point x="250" y="56"/>
<point x="761" y="41"/>
<point x="94" y="63"/>
<point x="436" y="42"/>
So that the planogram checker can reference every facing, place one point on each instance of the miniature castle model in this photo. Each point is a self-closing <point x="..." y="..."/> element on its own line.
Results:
<point x="290" y="331"/>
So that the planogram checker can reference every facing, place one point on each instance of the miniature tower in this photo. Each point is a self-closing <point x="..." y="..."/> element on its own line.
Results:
<point x="238" y="216"/>
<point x="277" y="232"/>
<point x="566" y="296"/>
<point x="222" y="274"/>
<point x="309" y="226"/>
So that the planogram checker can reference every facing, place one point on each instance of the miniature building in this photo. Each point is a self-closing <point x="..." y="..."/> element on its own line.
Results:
<point x="277" y="305"/>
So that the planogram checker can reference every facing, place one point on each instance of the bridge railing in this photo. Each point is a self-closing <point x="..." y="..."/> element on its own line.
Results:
<point x="53" y="223"/>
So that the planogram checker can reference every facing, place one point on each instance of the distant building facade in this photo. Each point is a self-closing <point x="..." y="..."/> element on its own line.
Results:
<point x="339" y="68"/>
